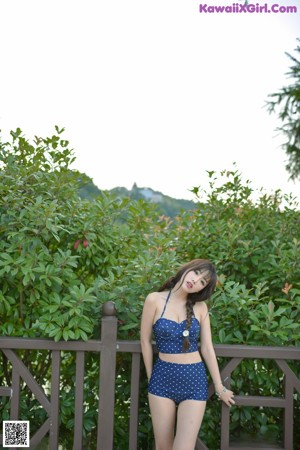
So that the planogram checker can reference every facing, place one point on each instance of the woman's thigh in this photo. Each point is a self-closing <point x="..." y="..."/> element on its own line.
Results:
<point x="163" y="415"/>
<point x="189" y="418"/>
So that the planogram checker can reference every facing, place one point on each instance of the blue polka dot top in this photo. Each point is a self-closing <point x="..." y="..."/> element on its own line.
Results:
<point x="169" y="334"/>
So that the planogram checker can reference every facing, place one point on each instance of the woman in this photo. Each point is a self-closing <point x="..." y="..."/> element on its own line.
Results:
<point x="177" y="315"/>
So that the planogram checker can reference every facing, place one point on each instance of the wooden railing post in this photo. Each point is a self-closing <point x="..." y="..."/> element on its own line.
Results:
<point x="105" y="435"/>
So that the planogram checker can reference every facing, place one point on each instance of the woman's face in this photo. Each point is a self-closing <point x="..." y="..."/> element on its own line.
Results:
<point x="195" y="280"/>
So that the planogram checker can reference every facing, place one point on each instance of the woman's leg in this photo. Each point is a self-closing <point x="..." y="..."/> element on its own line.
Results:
<point x="189" y="418"/>
<point x="163" y="414"/>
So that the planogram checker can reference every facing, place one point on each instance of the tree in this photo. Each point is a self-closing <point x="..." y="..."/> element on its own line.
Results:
<point x="62" y="256"/>
<point x="287" y="100"/>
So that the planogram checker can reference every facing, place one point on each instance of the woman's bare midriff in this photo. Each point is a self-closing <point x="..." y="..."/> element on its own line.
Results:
<point x="181" y="358"/>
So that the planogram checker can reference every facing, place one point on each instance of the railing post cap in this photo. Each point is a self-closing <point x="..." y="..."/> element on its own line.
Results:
<point x="109" y="309"/>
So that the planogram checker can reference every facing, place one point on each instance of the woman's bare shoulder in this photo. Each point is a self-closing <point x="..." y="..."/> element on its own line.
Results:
<point x="153" y="303"/>
<point x="154" y="297"/>
<point x="201" y="310"/>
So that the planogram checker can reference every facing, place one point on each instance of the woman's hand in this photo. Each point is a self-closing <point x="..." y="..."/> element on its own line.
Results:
<point x="226" y="395"/>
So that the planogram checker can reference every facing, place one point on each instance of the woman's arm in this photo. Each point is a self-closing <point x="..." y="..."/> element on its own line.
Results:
<point x="148" y="315"/>
<point x="209" y="355"/>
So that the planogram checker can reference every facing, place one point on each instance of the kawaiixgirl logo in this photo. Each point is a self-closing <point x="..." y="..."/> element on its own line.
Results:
<point x="235" y="8"/>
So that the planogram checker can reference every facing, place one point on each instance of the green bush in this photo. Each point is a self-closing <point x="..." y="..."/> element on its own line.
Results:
<point x="62" y="257"/>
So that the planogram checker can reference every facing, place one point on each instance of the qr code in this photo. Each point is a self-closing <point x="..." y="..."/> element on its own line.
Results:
<point x="15" y="433"/>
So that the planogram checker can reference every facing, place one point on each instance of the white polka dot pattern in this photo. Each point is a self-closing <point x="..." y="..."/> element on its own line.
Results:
<point x="179" y="382"/>
<point x="169" y="335"/>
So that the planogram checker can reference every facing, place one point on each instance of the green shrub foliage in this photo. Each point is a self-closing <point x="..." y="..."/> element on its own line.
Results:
<point x="62" y="257"/>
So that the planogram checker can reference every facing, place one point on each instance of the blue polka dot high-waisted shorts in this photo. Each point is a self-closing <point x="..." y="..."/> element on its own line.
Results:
<point x="179" y="382"/>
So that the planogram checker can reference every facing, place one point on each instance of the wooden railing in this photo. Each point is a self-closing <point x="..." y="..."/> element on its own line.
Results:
<point x="107" y="348"/>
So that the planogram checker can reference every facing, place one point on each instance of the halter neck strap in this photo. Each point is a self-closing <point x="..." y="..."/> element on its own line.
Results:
<point x="166" y="303"/>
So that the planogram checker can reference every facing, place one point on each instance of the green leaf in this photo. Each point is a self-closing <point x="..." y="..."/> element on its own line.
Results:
<point x="83" y="335"/>
<point x="222" y="335"/>
<point x="255" y="328"/>
<point x="129" y="326"/>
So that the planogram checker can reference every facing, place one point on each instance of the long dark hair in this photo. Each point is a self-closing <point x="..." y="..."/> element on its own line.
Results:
<point x="203" y="265"/>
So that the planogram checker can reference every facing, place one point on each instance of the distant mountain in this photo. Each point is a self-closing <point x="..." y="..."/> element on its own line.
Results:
<point x="165" y="205"/>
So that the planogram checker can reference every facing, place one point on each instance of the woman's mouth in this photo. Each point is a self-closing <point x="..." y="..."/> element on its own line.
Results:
<point x="189" y="284"/>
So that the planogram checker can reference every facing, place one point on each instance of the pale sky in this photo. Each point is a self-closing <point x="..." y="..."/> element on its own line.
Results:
<point x="150" y="92"/>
